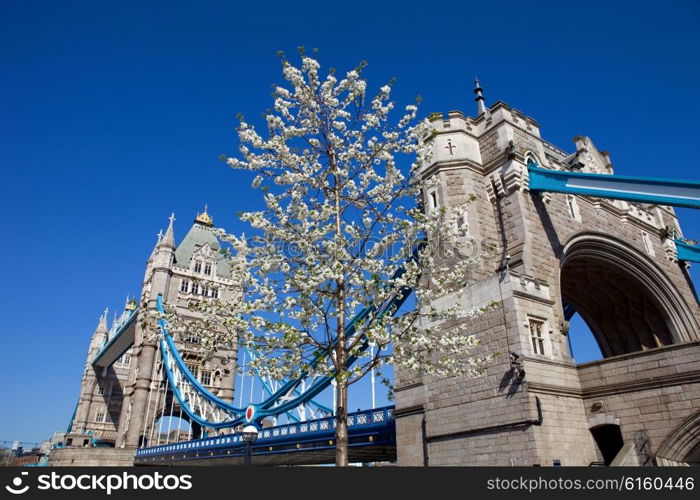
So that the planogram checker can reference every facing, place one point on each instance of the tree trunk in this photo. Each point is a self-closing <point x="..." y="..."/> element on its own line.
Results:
<point x="341" y="429"/>
<point x="341" y="415"/>
<point x="341" y="355"/>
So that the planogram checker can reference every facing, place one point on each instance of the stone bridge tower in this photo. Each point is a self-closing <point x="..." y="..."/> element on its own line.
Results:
<point x="546" y="258"/>
<point x="123" y="390"/>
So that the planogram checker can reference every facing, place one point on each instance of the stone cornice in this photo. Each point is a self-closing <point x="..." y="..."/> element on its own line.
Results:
<point x="650" y="352"/>
<point x="408" y="411"/>
<point x="436" y="167"/>
<point x="642" y="385"/>
<point x="409" y="386"/>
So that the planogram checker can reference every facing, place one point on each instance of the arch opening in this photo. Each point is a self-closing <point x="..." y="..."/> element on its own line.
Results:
<point x="682" y="445"/>
<point x="608" y="438"/>
<point x="173" y="429"/>
<point x="620" y="310"/>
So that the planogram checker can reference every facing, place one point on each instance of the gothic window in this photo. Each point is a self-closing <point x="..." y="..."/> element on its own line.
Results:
<point x="207" y="268"/>
<point x="531" y="159"/>
<point x="193" y="368"/>
<point x="192" y="338"/>
<point x="205" y="291"/>
<point x="196" y="288"/>
<point x="100" y="417"/>
<point x="100" y="390"/>
<point x="125" y="359"/>
<point x="572" y="206"/>
<point x="198" y="266"/>
<point x="537" y="336"/>
<point x="463" y="225"/>
<point x="206" y="378"/>
<point x="433" y="200"/>
<point x="215" y="293"/>
<point x="184" y="286"/>
<point x="116" y="390"/>
<point x="648" y="246"/>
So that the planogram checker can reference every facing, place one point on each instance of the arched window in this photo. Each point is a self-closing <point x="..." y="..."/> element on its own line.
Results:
<point x="532" y="160"/>
<point x="537" y="335"/>
<point x="572" y="205"/>
<point x="207" y="268"/>
<point x="198" y="266"/>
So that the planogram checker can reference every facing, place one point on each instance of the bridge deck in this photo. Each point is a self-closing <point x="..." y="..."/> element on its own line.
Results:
<point x="121" y="341"/>
<point x="372" y="438"/>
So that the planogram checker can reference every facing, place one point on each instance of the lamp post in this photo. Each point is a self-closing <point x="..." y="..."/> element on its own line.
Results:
<point x="249" y="435"/>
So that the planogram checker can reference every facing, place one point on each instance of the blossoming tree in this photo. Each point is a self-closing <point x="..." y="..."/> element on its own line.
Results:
<point x="341" y="231"/>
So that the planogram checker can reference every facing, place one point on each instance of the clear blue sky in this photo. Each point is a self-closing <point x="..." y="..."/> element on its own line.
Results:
<point x="113" y="115"/>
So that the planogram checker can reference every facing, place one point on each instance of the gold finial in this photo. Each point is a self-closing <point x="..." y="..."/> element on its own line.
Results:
<point x="205" y="218"/>
<point x="131" y="305"/>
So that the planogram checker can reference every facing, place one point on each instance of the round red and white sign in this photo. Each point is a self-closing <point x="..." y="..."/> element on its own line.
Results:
<point x="250" y="413"/>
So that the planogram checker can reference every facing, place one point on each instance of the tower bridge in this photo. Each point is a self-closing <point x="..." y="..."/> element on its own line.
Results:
<point x="567" y="236"/>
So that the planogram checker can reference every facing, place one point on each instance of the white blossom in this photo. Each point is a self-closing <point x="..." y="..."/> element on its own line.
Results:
<point x="342" y="193"/>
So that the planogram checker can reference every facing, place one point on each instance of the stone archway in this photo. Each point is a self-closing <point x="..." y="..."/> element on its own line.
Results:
<point x="682" y="445"/>
<point x="177" y="422"/>
<point x="624" y="298"/>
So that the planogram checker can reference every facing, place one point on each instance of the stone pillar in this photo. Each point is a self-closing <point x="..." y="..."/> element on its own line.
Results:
<point x="82" y="413"/>
<point x="142" y="386"/>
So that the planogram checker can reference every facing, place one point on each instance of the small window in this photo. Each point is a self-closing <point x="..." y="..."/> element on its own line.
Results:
<point x="572" y="205"/>
<point x="536" y="336"/>
<point x="206" y="378"/>
<point x="198" y="266"/>
<point x="100" y="390"/>
<point x="205" y="290"/>
<point x="463" y="225"/>
<point x="116" y="390"/>
<point x="125" y="359"/>
<point x="433" y="200"/>
<point x="196" y="288"/>
<point x="215" y="293"/>
<point x="184" y="286"/>
<point x="648" y="245"/>
<point x="192" y="368"/>
<point x="192" y="338"/>
<point x="531" y="160"/>
<point x="207" y="268"/>
<point x="100" y="417"/>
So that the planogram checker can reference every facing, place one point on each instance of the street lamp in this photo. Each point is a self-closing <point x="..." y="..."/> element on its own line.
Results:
<point x="249" y="435"/>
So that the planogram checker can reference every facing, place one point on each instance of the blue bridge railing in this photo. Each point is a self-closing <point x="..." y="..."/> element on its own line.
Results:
<point x="367" y="428"/>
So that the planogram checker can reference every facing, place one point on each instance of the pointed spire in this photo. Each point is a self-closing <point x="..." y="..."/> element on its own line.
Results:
<point x="480" y="106"/>
<point x="153" y="252"/>
<point x="102" y="324"/>
<point x="169" y="239"/>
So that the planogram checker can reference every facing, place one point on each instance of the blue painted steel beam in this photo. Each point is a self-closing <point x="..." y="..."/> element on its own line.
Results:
<point x="122" y="340"/>
<point x="636" y="189"/>
<point x="687" y="252"/>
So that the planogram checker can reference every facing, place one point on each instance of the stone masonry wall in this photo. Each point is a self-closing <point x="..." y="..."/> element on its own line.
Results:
<point x="91" y="457"/>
